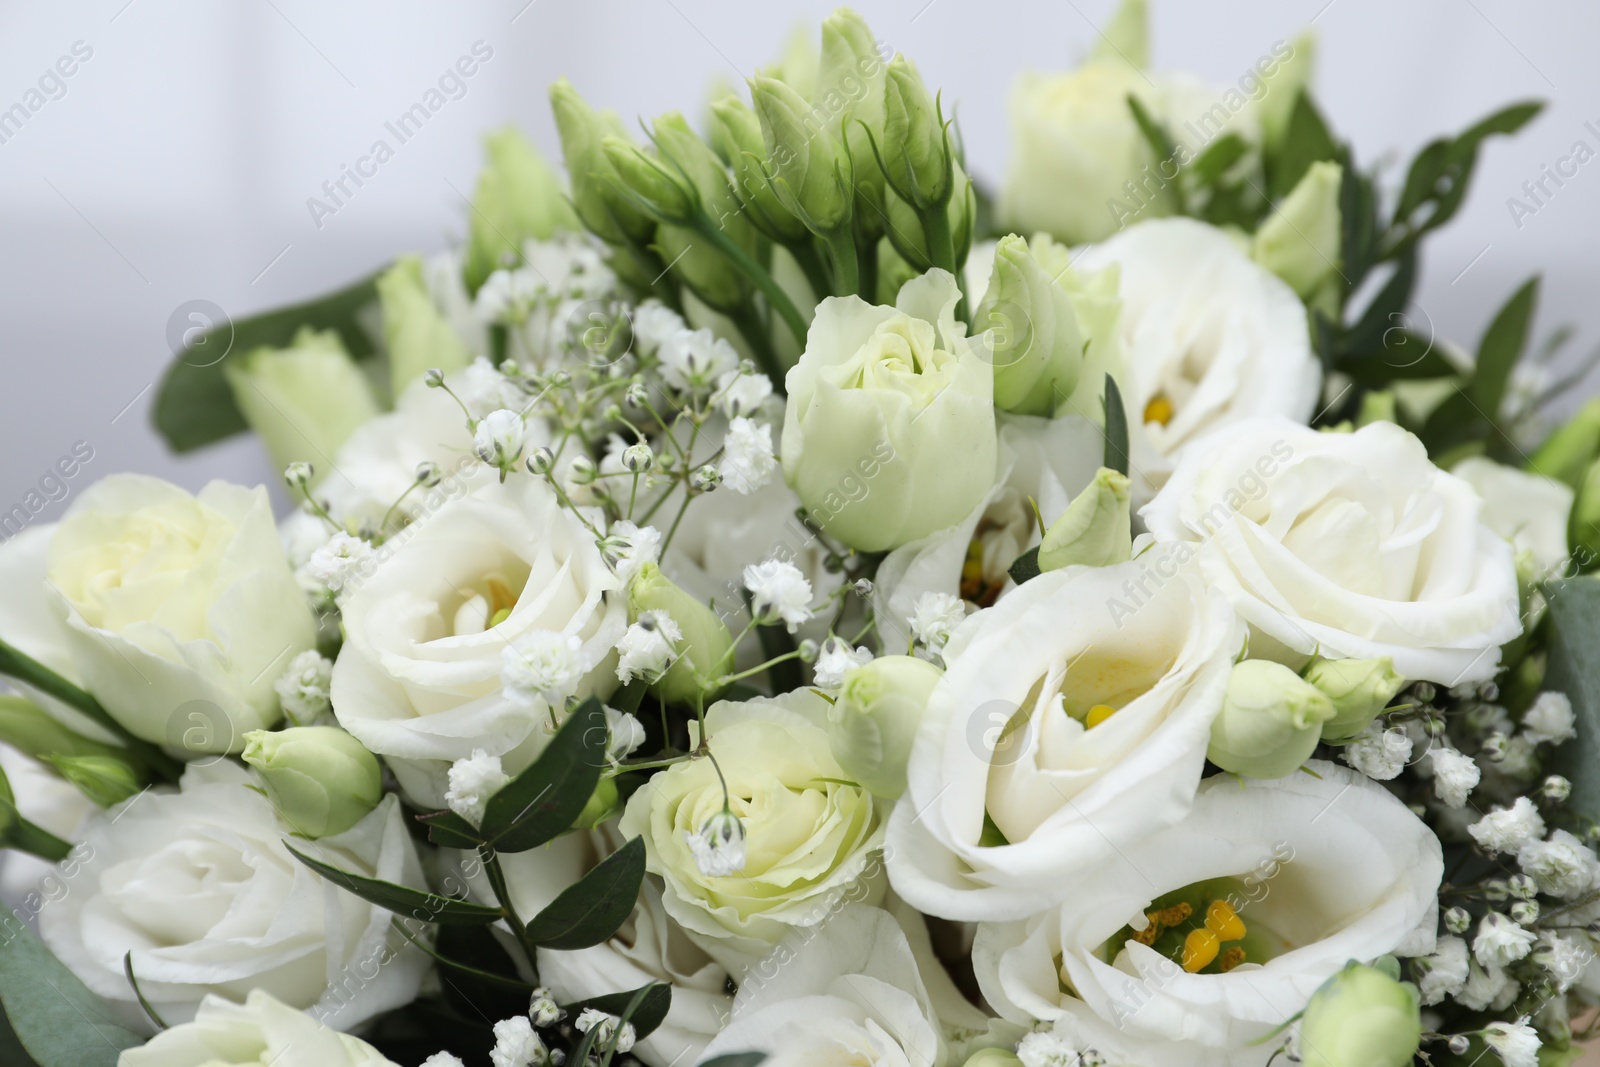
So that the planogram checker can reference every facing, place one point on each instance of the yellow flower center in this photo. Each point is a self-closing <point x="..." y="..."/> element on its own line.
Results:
<point x="1159" y="410"/>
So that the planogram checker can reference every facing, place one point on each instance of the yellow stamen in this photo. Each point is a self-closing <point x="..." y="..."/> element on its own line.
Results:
<point x="1098" y="714"/>
<point x="1148" y="935"/>
<point x="1159" y="409"/>
<point x="1223" y="921"/>
<point x="501" y="600"/>
<point x="1199" y="949"/>
<point x="1174" y="915"/>
<point x="1231" y="958"/>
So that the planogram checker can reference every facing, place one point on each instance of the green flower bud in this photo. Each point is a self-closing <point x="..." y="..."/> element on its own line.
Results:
<point x="106" y="780"/>
<point x="612" y="217"/>
<point x="811" y="166"/>
<point x="418" y="335"/>
<point x="1361" y="1017"/>
<point x="1126" y="37"/>
<point x="321" y="780"/>
<point x="1359" y="689"/>
<point x="518" y="197"/>
<point x="1567" y="453"/>
<point x="905" y="226"/>
<point x="29" y="728"/>
<point x="655" y="186"/>
<point x="712" y="276"/>
<point x="1377" y="406"/>
<point x="1096" y="530"/>
<point x="992" y="1057"/>
<point x="602" y="804"/>
<point x="1299" y="242"/>
<point x="736" y="134"/>
<point x="1270" y="722"/>
<point x="875" y="719"/>
<point x="850" y="94"/>
<point x="706" y="642"/>
<point x="915" y="145"/>
<point x="303" y="401"/>
<point x="1283" y="86"/>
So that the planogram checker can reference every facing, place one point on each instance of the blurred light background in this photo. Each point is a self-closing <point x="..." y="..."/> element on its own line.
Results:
<point x="177" y="162"/>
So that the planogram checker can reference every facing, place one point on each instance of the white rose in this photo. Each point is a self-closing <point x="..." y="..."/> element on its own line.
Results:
<point x="198" y="886"/>
<point x="889" y="430"/>
<point x="1350" y="545"/>
<point x="1071" y="727"/>
<point x="846" y="995"/>
<point x="1529" y="510"/>
<point x="1046" y="461"/>
<point x="1314" y="869"/>
<point x="261" y="1030"/>
<point x="810" y="835"/>
<point x="418" y="678"/>
<point x="1208" y="338"/>
<point x="180" y="611"/>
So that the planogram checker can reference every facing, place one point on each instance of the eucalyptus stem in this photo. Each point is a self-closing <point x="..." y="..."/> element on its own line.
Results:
<point x="846" y="269"/>
<point x="756" y="272"/>
<point x="497" y="882"/>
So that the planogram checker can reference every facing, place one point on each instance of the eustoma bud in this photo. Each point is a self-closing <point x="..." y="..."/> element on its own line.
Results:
<point x="321" y="780"/>
<point x="1299" y="242"/>
<point x="1361" y="1017"/>
<point x="1359" y="689"/>
<point x="875" y="718"/>
<point x="812" y="177"/>
<point x="703" y="650"/>
<point x="916" y="146"/>
<point x="1270" y="722"/>
<point x="610" y="216"/>
<point x="1096" y="529"/>
<point x="518" y="198"/>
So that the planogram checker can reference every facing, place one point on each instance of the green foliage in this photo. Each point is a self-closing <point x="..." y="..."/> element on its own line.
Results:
<point x="402" y="900"/>
<point x="51" y="1013"/>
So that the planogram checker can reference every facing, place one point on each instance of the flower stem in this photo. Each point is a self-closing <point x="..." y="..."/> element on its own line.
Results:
<point x="497" y="882"/>
<point x="756" y="272"/>
<point x="755" y="332"/>
<point x="846" y="269"/>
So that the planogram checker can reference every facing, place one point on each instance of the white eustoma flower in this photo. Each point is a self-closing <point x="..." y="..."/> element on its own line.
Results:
<point x="472" y="782"/>
<point x="249" y="916"/>
<point x="263" y="1029"/>
<point x="778" y="590"/>
<point x="443" y="1059"/>
<point x="1525" y="508"/>
<point x="419" y="678"/>
<point x="1516" y="1043"/>
<point x="303" y="689"/>
<point x="1444" y="972"/>
<point x="1209" y="339"/>
<point x="546" y="665"/>
<point x="739" y="393"/>
<point x="1346" y="545"/>
<point x="934" y="617"/>
<point x="1379" y="753"/>
<point x="1323" y="869"/>
<point x="846" y="995"/>
<point x="835" y="658"/>
<point x="1074" y="731"/>
<point x="1500" y="941"/>
<point x="1564" y="867"/>
<point x="1508" y="829"/>
<point x="648" y="647"/>
<point x="1549" y="720"/>
<point x="695" y="360"/>
<point x="747" y="461"/>
<point x="1454" y="776"/>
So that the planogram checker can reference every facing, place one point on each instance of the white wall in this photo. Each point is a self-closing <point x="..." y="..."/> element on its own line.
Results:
<point x="178" y="163"/>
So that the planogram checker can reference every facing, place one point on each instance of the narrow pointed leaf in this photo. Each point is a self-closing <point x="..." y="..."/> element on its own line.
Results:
<point x="545" y="799"/>
<point x="402" y="900"/>
<point x="591" y="909"/>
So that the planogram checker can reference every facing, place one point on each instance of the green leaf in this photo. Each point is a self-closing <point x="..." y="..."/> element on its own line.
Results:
<point x="11" y="1051"/>
<point x="777" y="641"/>
<point x="1385" y="309"/>
<point x="194" y="405"/>
<point x="1306" y="140"/>
<point x="1116" y="433"/>
<point x="402" y="900"/>
<point x="736" y="1059"/>
<point x="592" y="909"/>
<point x="1219" y="155"/>
<point x="54" y="1015"/>
<point x="649" y="1014"/>
<point x="1358" y="222"/>
<point x="1456" y="419"/>
<point x="1156" y="134"/>
<point x="1025" y="567"/>
<point x="449" y="830"/>
<point x="1502" y="346"/>
<point x="545" y="799"/>
<point x="1575" y="670"/>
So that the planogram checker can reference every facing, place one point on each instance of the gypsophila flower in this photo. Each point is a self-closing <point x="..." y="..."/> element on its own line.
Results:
<point x="298" y="474"/>
<point x="605" y="1026"/>
<point x="498" y="438"/>
<point x="508" y="295"/>
<point x="1508" y="829"/>
<point x="628" y="548"/>
<point x="483" y="388"/>
<point x="649" y="647"/>
<point x="1563" y="867"/>
<point x="1564" y="958"/>
<point x="1556" y="789"/>
<point x="570" y="264"/>
<point x="835" y="658"/>
<point x="624" y="734"/>
<point x="694" y="360"/>
<point x="653" y="323"/>
<point x="1044" y="1049"/>
<point x="339" y="560"/>
<point x="1500" y="941"/>
<point x="515" y="1044"/>
<point x="705" y="479"/>
<point x="304" y="689"/>
<point x="1378" y="753"/>
<point x="747" y="461"/>
<point x="472" y="782"/>
<point x="739" y="393"/>
<point x="1454" y="776"/>
<point x="718" y="847"/>
<point x="544" y="665"/>
<point x="443" y="1059"/>
<point x="1444" y="973"/>
<point x="542" y="1008"/>
<point x="1487" y="988"/>
<point x="1516" y="1043"/>
<point x="778" y="591"/>
<point x="1457" y="919"/>
<point x="637" y="458"/>
<point x="933" y="617"/>
<point x="1549" y="720"/>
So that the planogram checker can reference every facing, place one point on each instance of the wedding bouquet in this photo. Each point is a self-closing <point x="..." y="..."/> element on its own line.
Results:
<point x="762" y="600"/>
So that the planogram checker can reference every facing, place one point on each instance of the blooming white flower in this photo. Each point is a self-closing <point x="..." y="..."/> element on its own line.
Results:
<point x="632" y="547"/>
<point x="649" y="647"/>
<point x="747" y="461"/>
<point x="340" y="559"/>
<point x="1044" y="1049"/>
<point x="653" y="323"/>
<point x="472" y="782"/>
<point x="1527" y="509"/>
<point x="303" y="688"/>
<point x="718" y="846"/>
<point x="507" y="295"/>
<point x="934" y="616"/>
<point x="1444" y="973"/>
<point x="1508" y="829"/>
<point x="836" y="658"/>
<point x="779" y="590"/>
<point x="262" y="1030"/>
<point x="516" y="1045"/>
<point x="742" y="394"/>
<point x="624" y="734"/>
<point x="1564" y="957"/>
<point x="1379" y="753"/>
<point x="570" y="264"/>
<point x="1563" y="866"/>
<point x="499" y="437"/>
<point x="1516" y="1043"/>
<point x="1500" y="941"/>
<point x="1549" y="720"/>
<point x="694" y="360"/>
<point x="483" y="388"/>
<point x="544" y="665"/>
<point x="443" y="1059"/>
<point x="606" y="1026"/>
<point x="1487" y="988"/>
<point x="1454" y="776"/>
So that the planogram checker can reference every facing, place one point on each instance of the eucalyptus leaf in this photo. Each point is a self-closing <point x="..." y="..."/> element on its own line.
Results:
<point x="545" y="799"/>
<point x="737" y="1059"/>
<point x="1306" y="140"/>
<point x="53" y="1014"/>
<point x="402" y="900"/>
<point x="1026" y="566"/>
<point x="1503" y="344"/>
<point x="590" y="910"/>
<point x="1116" y="433"/>
<point x="1573" y="669"/>
<point x="648" y="1015"/>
